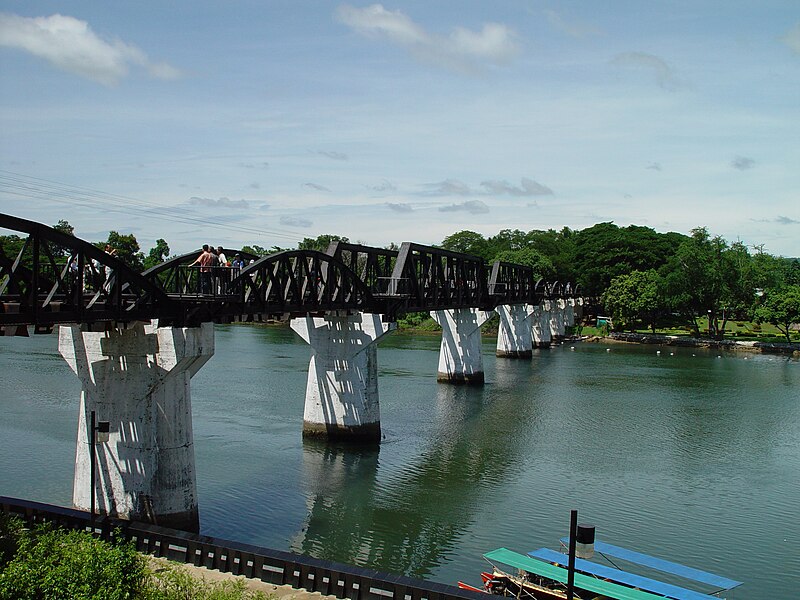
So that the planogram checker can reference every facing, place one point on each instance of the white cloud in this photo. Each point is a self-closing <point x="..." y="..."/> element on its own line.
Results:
<point x="792" y="38"/>
<point x="454" y="187"/>
<point x="72" y="46"/>
<point x="664" y="74"/>
<point x="463" y="50"/>
<point x="529" y="187"/>
<point x="475" y="207"/>
<point x="296" y="222"/>
<point x="742" y="163"/>
<point x="220" y="203"/>
<point x="316" y="186"/>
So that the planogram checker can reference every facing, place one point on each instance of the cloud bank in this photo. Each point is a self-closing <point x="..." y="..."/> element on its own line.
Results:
<point x="462" y="50"/>
<point x="296" y="222"/>
<point x="742" y="163"/>
<point x="220" y="203"/>
<point x="72" y="46"/>
<point x="454" y="187"/>
<point x="475" y="207"/>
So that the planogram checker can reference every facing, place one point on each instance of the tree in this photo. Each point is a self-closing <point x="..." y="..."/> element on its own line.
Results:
<point x="321" y="242"/>
<point x="605" y="251"/>
<point x="127" y="249"/>
<point x="467" y="242"/>
<point x="157" y="254"/>
<point x="541" y="265"/>
<point x="634" y="297"/>
<point x="64" y="227"/>
<point x="781" y="308"/>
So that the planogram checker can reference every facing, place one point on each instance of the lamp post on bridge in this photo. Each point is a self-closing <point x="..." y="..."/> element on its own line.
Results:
<point x="98" y="434"/>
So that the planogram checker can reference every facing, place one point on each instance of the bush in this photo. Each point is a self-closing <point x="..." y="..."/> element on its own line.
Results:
<point x="56" y="564"/>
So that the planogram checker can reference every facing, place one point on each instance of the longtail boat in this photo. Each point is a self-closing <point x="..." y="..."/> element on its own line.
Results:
<point x="543" y="575"/>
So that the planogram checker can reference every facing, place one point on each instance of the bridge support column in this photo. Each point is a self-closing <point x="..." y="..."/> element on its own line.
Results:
<point x="541" y="328"/>
<point x="514" y="335"/>
<point x="342" y="389"/>
<point x="460" y="359"/>
<point x="557" y="319"/>
<point x="137" y="379"/>
<point x="569" y="312"/>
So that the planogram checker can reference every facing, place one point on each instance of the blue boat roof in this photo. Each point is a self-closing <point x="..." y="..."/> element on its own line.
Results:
<point x="638" y="581"/>
<point x="664" y="566"/>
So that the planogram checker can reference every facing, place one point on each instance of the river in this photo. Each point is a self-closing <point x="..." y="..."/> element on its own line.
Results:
<point x="691" y="455"/>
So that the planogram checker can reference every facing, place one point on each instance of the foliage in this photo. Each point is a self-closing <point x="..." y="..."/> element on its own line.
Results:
<point x="606" y="251"/>
<point x="634" y="297"/>
<point x="781" y="308"/>
<point x="418" y="321"/>
<point x="11" y="528"/>
<point x="157" y="254"/>
<point x="467" y="242"/>
<point x="64" y="227"/>
<point x="54" y="564"/>
<point x="127" y="249"/>
<point x="541" y="265"/>
<point x="261" y="251"/>
<point x="321" y="242"/>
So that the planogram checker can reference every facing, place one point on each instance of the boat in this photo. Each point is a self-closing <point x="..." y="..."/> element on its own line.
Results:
<point x="543" y="574"/>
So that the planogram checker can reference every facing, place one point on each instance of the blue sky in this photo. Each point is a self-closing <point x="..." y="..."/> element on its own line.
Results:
<point x="246" y="122"/>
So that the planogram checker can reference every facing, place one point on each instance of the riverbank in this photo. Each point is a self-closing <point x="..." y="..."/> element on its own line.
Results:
<point x="692" y="342"/>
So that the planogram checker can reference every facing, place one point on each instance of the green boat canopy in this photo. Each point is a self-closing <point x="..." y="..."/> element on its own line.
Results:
<point x="543" y="569"/>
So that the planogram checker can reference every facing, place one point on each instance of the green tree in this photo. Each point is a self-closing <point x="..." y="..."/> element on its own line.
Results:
<point x="321" y="242"/>
<point x="468" y="242"/>
<point x="781" y="308"/>
<point x="697" y="281"/>
<point x="64" y="227"/>
<point x="605" y="251"/>
<point x="157" y="254"/>
<point x="634" y="297"/>
<point x="541" y="265"/>
<point x="127" y="249"/>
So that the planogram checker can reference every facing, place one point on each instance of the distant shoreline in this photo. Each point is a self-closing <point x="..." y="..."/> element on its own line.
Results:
<point x="691" y="342"/>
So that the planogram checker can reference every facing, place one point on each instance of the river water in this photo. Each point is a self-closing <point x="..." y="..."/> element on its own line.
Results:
<point x="690" y="455"/>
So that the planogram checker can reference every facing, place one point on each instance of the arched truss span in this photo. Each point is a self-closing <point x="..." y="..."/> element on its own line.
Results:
<point x="53" y="277"/>
<point x="300" y="282"/>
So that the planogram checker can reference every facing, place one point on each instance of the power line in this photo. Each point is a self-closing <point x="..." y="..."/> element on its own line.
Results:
<point x="43" y="189"/>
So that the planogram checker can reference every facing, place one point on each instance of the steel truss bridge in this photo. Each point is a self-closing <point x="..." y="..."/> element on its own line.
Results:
<point x="58" y="278"/>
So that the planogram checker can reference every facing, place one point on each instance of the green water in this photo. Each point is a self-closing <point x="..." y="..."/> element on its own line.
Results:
<point x="694" y="457"/>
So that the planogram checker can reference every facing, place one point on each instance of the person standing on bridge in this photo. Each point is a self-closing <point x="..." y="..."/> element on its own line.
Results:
<point x="223" y="274"/>
<point x="204" y="261"/>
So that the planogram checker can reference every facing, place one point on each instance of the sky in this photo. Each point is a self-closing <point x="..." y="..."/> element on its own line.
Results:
<point x="264" y="122"/>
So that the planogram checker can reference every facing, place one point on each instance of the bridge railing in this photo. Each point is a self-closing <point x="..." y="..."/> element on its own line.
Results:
<point x="271" y="566"/>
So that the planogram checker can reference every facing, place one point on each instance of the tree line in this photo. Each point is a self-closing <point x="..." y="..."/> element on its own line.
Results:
<point x="643" y="277"/>
<point x="640" y="276"/>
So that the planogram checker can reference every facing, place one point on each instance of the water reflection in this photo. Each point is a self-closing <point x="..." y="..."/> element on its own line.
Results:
<point x="407" y="521"/>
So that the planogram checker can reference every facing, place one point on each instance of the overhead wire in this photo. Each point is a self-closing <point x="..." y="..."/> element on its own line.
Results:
<point x="43" y="189"/>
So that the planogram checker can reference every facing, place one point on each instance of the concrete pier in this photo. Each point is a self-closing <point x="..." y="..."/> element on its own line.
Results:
<point x="514" y="336"/>
<point x="460" y="359"/>
<point x="557" y="329"/>
<point x="138" y="379"/>
<point x="540" y="329"/>
<point x="569" y="312"/>
<point x="342" y="389"/>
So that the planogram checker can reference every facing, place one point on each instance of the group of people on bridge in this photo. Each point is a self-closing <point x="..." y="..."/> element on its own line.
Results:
<point x="215" y="269"/>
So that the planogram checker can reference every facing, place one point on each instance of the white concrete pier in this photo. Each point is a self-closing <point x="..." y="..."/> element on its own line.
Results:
<point x="138" y="379"/>
<point x="514" y="336"/>
<point x="541" y="328"/>
<point x="557" y="329"/>
<point x="460" y="359"/>
<point x="342" y="388"/>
